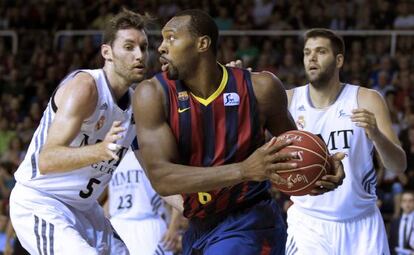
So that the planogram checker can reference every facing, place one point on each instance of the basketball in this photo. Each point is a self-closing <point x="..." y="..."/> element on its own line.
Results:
<point x="313" y="162"/>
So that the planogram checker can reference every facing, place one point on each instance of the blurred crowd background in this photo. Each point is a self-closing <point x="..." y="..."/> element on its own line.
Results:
<point x="29" y="76"/>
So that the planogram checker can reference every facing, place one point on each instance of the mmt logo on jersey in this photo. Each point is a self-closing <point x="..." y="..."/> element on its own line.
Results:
<point x="231" y="99"/>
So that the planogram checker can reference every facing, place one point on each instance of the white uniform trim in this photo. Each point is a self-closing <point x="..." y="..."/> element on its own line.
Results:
<point x="58" y="213"/>
<point x="136" y="210"/>
<point x="346" y="220"/>
<point x="356" y="196"/>
<point x="80" y="187"/>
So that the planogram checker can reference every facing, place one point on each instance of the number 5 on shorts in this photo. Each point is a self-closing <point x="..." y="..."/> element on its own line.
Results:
<point x="204" y="197"/>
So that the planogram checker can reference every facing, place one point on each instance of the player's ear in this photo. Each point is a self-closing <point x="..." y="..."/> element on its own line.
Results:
<point x="204" y="43"/>
<point x="106" y="52"/>
<point x="339" y="60"/>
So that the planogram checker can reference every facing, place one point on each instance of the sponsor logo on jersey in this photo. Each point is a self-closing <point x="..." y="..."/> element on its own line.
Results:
<point x="231" y="99"/>
<point x="181" y="110"/>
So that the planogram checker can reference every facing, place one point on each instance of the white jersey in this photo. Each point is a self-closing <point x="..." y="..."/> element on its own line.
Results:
<point x="131" y="195"/>
<point x="80" y="187"/>
<point x="356" y="196"/>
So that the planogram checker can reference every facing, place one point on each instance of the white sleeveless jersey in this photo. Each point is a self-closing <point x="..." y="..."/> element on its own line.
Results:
<point x="356" y="196"/>
<point x="131" y="195"/>
<point x="81" y="187"/>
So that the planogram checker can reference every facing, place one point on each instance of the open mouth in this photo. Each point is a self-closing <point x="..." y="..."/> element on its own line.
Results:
<point x="164" y="64"/>
<point x="313" y="68"/>
<point x="139" y="67"/>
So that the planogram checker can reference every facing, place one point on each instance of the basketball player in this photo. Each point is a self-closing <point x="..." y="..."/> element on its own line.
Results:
<point x="201" y="133"/>
<point x="353" y="120"/>
<point x="85" y="131"/>
<point x="137" y="212"/>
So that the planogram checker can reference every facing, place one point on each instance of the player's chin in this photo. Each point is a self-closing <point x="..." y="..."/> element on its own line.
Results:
<point x="137" y="78"/>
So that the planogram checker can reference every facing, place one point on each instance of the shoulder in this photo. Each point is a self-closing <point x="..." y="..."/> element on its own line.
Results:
<point x="81" y="88"/>
<point x="369" y="98"/>
<point x="148" y="88"/>
<point x="266" y="83"/>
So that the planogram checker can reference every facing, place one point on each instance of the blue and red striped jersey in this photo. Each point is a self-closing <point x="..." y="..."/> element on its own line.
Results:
<point x="221" y="129"/>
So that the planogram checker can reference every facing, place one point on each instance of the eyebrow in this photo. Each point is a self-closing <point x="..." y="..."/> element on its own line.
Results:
<point x="166" y="30"/>
<point x="317" y="48"/>
<point x="132" y="41"/>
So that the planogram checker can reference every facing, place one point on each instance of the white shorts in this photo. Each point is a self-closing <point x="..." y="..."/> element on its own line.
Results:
<point x="310" y="236"/>
<point x="142" y="237"/>
<point x="46" y="226"/>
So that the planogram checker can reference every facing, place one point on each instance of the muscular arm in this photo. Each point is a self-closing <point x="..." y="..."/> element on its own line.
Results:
<point x="159" y="153"/>
<point x="273" y="103"/>
<point x="379" y="129"/>
<point x="76" y="101"/>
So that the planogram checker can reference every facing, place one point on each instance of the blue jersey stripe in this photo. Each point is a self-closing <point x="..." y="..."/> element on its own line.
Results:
<point x="36" y="232"/>
<point x="164" y="85"/>
<point x="184" y="142"/>
<point x="209" y="135"/>
<point x="39" y="139"/>
<point x="232" y="119"/>
<point x="256" y="138"/>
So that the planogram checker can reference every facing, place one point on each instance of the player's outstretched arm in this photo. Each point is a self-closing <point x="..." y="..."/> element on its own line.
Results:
<point x="75" y="101"/>
<point x="374" y="117"/>
<point x="160" y="156"/>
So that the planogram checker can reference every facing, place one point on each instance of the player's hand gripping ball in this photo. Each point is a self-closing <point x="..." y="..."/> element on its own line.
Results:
<point x="313" y="162"/>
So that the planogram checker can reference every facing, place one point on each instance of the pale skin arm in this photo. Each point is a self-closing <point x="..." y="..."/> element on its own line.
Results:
<point x="159" y="152"/>
<point x="171" y="236"/>
<point x="76" y="101"/>
<point x="373" y="116"/>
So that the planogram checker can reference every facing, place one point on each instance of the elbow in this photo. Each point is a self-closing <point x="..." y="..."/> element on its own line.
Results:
<point x="43" y="164"/>
<point x="161" y="183"/>
<point x="163" y="189"/>
<point x="401" y="164"/>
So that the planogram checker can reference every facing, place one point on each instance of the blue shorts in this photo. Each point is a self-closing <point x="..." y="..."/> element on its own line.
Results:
<point x="257" y="230"/>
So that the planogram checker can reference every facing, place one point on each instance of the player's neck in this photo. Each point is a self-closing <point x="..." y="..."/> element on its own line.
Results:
<point x="118" y="85"/>
<point x="206" y="79"/>
<point x="324" y="95"/>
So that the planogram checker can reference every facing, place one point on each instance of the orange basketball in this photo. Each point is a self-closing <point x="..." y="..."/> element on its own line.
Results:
<point x="313" y="162"/>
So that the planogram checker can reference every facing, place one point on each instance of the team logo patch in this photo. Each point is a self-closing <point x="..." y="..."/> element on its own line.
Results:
<point x="183" y="96"/>
<point x="300" y="122"/>
<point x="301" y="108"/>
<point x="103" y="107"/>
<point x="231" y="99"/>
<point x="100" y="123"/>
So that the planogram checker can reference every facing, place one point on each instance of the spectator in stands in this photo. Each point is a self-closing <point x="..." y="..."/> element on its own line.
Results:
<point x="404" y="19"/>
<point x="402" y="229"/>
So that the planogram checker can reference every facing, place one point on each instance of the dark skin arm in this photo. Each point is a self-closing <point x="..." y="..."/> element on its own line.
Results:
<point x="328" y="182"/>
<point x="273" y="101"/>
<point x="159" y="151"/>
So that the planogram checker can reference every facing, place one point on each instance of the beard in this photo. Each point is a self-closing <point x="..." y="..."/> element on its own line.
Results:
<point x="172" y="72"/>
<point x="321" y="80"/>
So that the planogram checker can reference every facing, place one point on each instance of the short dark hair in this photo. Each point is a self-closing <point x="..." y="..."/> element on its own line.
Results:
<point x="202" y="24"/>
<point x="124" y="20"/>
<point x="337" y="42"/>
